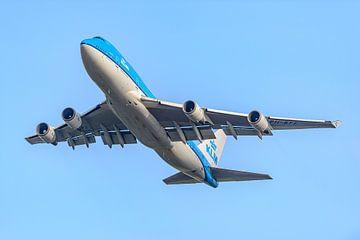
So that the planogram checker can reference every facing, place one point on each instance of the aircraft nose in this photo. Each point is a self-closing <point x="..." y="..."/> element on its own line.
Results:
<point x="85" y="52"/>
<point x="91" y="58"/>
<point x="88" y="49"/>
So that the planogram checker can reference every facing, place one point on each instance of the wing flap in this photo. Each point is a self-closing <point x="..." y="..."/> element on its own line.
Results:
<point x="80" y="140"/>
<point x="240" y="131"/>
<point x="127" y="136"/>
<point x="189" y="133"/>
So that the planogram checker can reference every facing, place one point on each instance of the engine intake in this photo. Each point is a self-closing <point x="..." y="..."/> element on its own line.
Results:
<point x="46" y="132"/>
<point x="194" y="112"/>
<point x="259" y="122"/>
<point x="71" y="118"/>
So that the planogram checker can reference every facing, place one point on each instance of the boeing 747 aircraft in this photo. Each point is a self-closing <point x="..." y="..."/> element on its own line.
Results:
<point x="188" y="137"/>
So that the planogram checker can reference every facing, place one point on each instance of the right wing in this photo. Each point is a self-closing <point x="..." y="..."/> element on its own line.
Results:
<point x="99" y="121"/>
<point x="171" y="116"/>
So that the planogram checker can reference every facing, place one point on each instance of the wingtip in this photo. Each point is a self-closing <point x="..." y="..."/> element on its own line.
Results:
<point x="336" y="123"/>
<point x="28" y="140"/>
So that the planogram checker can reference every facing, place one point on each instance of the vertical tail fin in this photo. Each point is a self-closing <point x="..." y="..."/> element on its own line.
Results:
<point x="213" y="148"/>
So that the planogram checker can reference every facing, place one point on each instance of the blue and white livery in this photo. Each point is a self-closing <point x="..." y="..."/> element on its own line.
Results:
<point x="186" y="136"/>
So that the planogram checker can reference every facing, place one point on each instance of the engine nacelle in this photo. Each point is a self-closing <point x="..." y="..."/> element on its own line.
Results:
<point x="194" y="112"/>
<point x="72" y="118"/>
<point x="259" y="122"/>
<point x="46" y="132"/>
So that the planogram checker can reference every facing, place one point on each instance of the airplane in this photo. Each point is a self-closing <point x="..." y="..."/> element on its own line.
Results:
<point x="188" y="137"/>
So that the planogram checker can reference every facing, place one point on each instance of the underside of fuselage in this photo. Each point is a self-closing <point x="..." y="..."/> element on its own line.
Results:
<point x="110" y="72"/>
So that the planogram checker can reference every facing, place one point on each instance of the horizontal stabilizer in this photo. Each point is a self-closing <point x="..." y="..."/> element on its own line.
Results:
<point x="180" y="178"/>
<point x="228" y="175"/>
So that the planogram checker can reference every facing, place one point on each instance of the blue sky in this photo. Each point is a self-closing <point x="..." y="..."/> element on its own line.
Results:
<point x="291" y="59"/>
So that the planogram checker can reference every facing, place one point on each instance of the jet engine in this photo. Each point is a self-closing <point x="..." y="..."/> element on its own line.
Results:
<point x="259" y="122"/>
<point x="46" y="133"/>
<point x="194" y="112"/>
<point x="72" y="118"/>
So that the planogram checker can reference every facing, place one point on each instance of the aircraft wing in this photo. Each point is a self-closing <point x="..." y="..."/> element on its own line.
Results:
<point x="170" y="114"/>
<point x="99" y="121"/>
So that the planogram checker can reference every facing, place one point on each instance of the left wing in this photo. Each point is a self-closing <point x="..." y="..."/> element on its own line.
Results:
<point x="102" y="122"/>
<point x="170" y="114"/>
<point x="99" y="121"/>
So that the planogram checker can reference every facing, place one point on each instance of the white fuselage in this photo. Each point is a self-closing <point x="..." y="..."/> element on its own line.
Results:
<point x="124" y="98"/>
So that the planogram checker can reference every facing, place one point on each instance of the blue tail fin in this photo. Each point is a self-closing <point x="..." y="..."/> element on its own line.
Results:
<point x="213" y="148"/>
